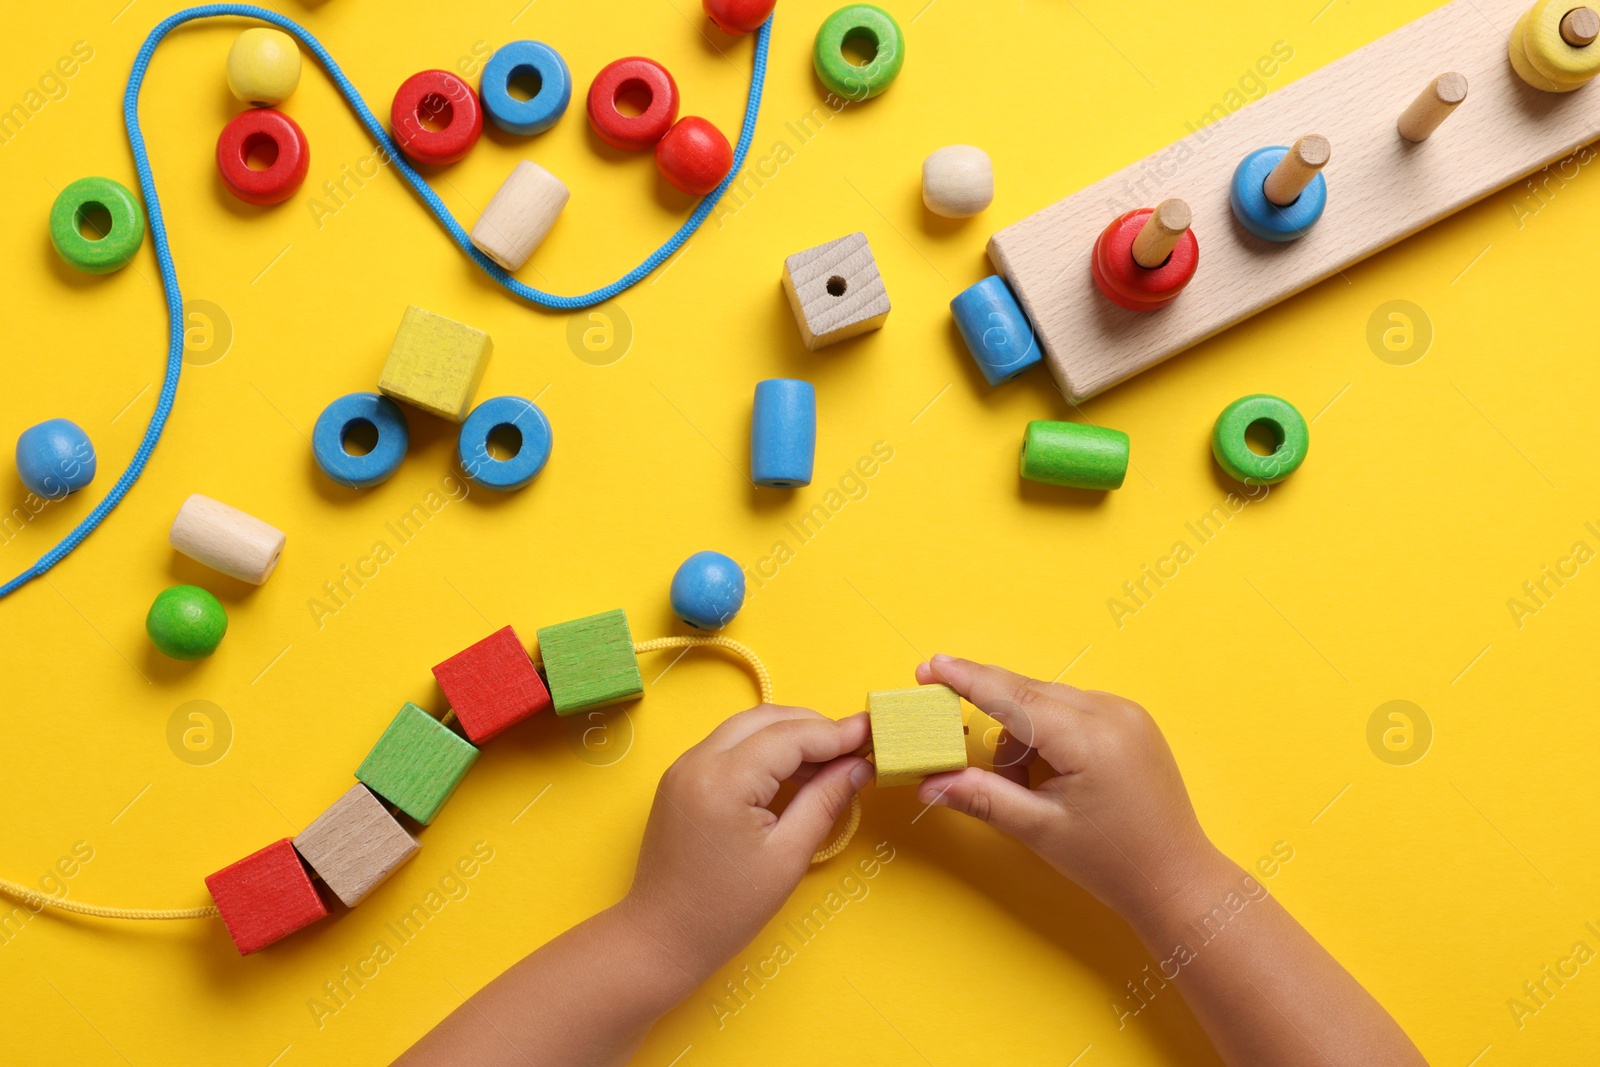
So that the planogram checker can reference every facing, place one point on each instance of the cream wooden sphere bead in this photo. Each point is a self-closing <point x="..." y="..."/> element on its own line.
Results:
<point x="263" y="66"/>
<point x="957" y="181"/>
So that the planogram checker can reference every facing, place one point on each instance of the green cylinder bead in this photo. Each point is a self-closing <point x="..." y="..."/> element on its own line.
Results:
<point x="1074" y="455"/>
<point x="861" y="23"/>
<point x="186" y="622"/>
<point x="79" y="207"/>
<point x="1286" y="427"/>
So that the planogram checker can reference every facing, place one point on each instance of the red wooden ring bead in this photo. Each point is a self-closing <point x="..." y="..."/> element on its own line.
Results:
<point x="1129" y="285"/>
<point x="250" y="131"/>
<point x="632" y="133"/>
<point x="443" y="98"/>
<point x="694" y="156"/>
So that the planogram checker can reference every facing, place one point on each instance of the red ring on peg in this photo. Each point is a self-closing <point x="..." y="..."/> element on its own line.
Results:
<point x="1129" y="285"/>
<point x="632" y="133"/>
<point x="250" y="130"/>
<point x="434" y="93"/>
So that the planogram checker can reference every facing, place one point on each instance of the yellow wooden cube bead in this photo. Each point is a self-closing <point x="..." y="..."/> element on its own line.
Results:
<point x="435" y="364"/>
<point x="263" y="66"/>
<point x="915" y="733"/>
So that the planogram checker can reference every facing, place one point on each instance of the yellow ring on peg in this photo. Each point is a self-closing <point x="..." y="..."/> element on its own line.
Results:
<point x="1543" y="58"/>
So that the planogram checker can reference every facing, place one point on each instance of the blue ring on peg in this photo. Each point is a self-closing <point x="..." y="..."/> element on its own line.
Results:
<point x="343" y="415"/>
<point x="524" y="118"/>
<point x="504" y="475"/>
<point x="1261" y="216"/>
<point x="783" y="433"/>
<point x="995" y="329"/>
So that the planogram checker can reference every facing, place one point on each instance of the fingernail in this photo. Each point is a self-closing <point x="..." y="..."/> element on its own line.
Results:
<point x="860" y="774"/>
<point x="930" y="795"/>
<point x="940" y="657"/>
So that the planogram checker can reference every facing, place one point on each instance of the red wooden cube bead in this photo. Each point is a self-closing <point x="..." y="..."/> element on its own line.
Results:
<point x="492" y="686"/>
<point x="266" y="897"/>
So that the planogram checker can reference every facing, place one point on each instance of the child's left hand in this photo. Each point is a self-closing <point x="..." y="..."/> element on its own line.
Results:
<point x="716" y="864"/>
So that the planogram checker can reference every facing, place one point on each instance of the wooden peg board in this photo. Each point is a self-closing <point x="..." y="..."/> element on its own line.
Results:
<point x="1381" y="188"/>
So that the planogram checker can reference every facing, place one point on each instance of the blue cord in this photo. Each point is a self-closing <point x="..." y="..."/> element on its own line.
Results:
<point x="169" y="273"/>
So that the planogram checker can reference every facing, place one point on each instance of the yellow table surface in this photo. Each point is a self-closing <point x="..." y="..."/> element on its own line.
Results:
<point x="1381" y="571"/>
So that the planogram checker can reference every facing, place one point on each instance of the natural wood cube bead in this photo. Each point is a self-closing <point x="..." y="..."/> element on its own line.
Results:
<point x="916" y="732"/>
<point x="520" y="215"/>
<point x="226" y="539"/>
<point x="835" y="290"/>
<point x="435" y="364"/>
<point x="355" y="845"/>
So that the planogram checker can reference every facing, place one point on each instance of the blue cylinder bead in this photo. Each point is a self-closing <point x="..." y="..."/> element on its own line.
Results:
<point x="707" y="590"/>
<point x="533" y="448"/>
<point x="55" y="458"/>
<point x="995" y="329"/>
<point x="1261" y="216"/>
<point x="521" y="59"/>
<point x="350" y="413"/>
<point x="783" y="433"/>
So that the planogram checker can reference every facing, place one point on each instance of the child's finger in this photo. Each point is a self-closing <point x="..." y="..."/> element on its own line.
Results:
<point x="775" y="752"/>
<point x="811" y="815"/>
<point x="1008" y="807"/>
<point x="735" y="728"/>
<point x="1038" y="715"/>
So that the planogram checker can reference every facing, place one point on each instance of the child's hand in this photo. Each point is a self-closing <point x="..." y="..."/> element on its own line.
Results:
<point x="716" y="864"/>
<point x="1112" y="815"/>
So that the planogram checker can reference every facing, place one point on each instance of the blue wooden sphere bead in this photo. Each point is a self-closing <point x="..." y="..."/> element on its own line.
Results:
<point x="504" y="475"/>
<point x="1261" y="216"/>
<point x="996" y="331"/>
<point x="783" y="433"/>
<point x="349" y="413"/>
<point x="55" y="458"/>
<point x="537" y="114"/>
<point x="707" y="590"/>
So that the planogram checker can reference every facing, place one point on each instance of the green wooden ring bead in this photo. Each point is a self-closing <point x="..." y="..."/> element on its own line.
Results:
<point x="112" y="250"/>
<point x="1290" y="434"/>
<point x="1074" y="455"/>
<point x="858" y="22"/>
<point x="186" y="622"/>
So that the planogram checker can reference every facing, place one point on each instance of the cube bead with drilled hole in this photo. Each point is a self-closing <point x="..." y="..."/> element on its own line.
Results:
<point x="435" y="364"/>
<point x="590" y="662"/>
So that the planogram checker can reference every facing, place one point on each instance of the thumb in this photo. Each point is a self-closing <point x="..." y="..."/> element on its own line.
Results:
<point x="818" y="804"/>
<point x="1010" y="808"/>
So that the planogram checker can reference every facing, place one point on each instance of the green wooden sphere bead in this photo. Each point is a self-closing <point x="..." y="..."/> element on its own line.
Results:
<point x="859" y="23"/>
<point x="76" y="209"/>
<point x="1074" y="455"/>
<point x="186" y="622"/>
<point x="1284" y="425"/>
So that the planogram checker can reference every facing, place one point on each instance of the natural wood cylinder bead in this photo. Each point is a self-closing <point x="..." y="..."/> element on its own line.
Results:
<point x="227" y="539"/>
<point x="1160" y="233"/>
<point x="1304" y="160"/>
<point x="520" y="215"/>
<point x="1432" y="106"/>
<point x="957" y="181"/>
<point x="1580" y="27"/>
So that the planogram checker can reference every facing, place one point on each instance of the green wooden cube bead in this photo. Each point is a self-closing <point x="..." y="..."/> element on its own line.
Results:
<point x="417" y="763"/>
<point x="1074" y="455"/>
<point x="590" y="662"/>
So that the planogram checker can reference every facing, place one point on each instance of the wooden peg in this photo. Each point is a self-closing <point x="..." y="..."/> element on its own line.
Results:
<point x="1305" y="158"/>
<point x="1160" y="233"/>
<point x="1580" y="26"/>
<point x="1432" y="106"/>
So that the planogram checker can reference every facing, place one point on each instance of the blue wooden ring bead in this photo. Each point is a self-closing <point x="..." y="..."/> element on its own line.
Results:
<point x="55" y="459"/>
<point x="783" y="433"/>
<point x="996" y="331"/>
<point x="504" y="475"/>
<point x="524" y="118"/>
<point x="1261" y="216"/>
<point x="707" y="590"/>
<point x="348" y="413"/>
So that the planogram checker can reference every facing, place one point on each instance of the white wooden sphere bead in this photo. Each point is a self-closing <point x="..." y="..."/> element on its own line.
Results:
<point x="227" y="539"/>
<point x="957" y="181"/>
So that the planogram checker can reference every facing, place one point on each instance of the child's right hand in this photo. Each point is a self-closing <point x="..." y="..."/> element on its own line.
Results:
<point x="1113" y="816"/>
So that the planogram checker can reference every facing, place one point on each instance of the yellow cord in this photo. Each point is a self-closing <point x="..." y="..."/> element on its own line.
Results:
<point x="40" y="901"/>
<point x="764" y="686"/>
